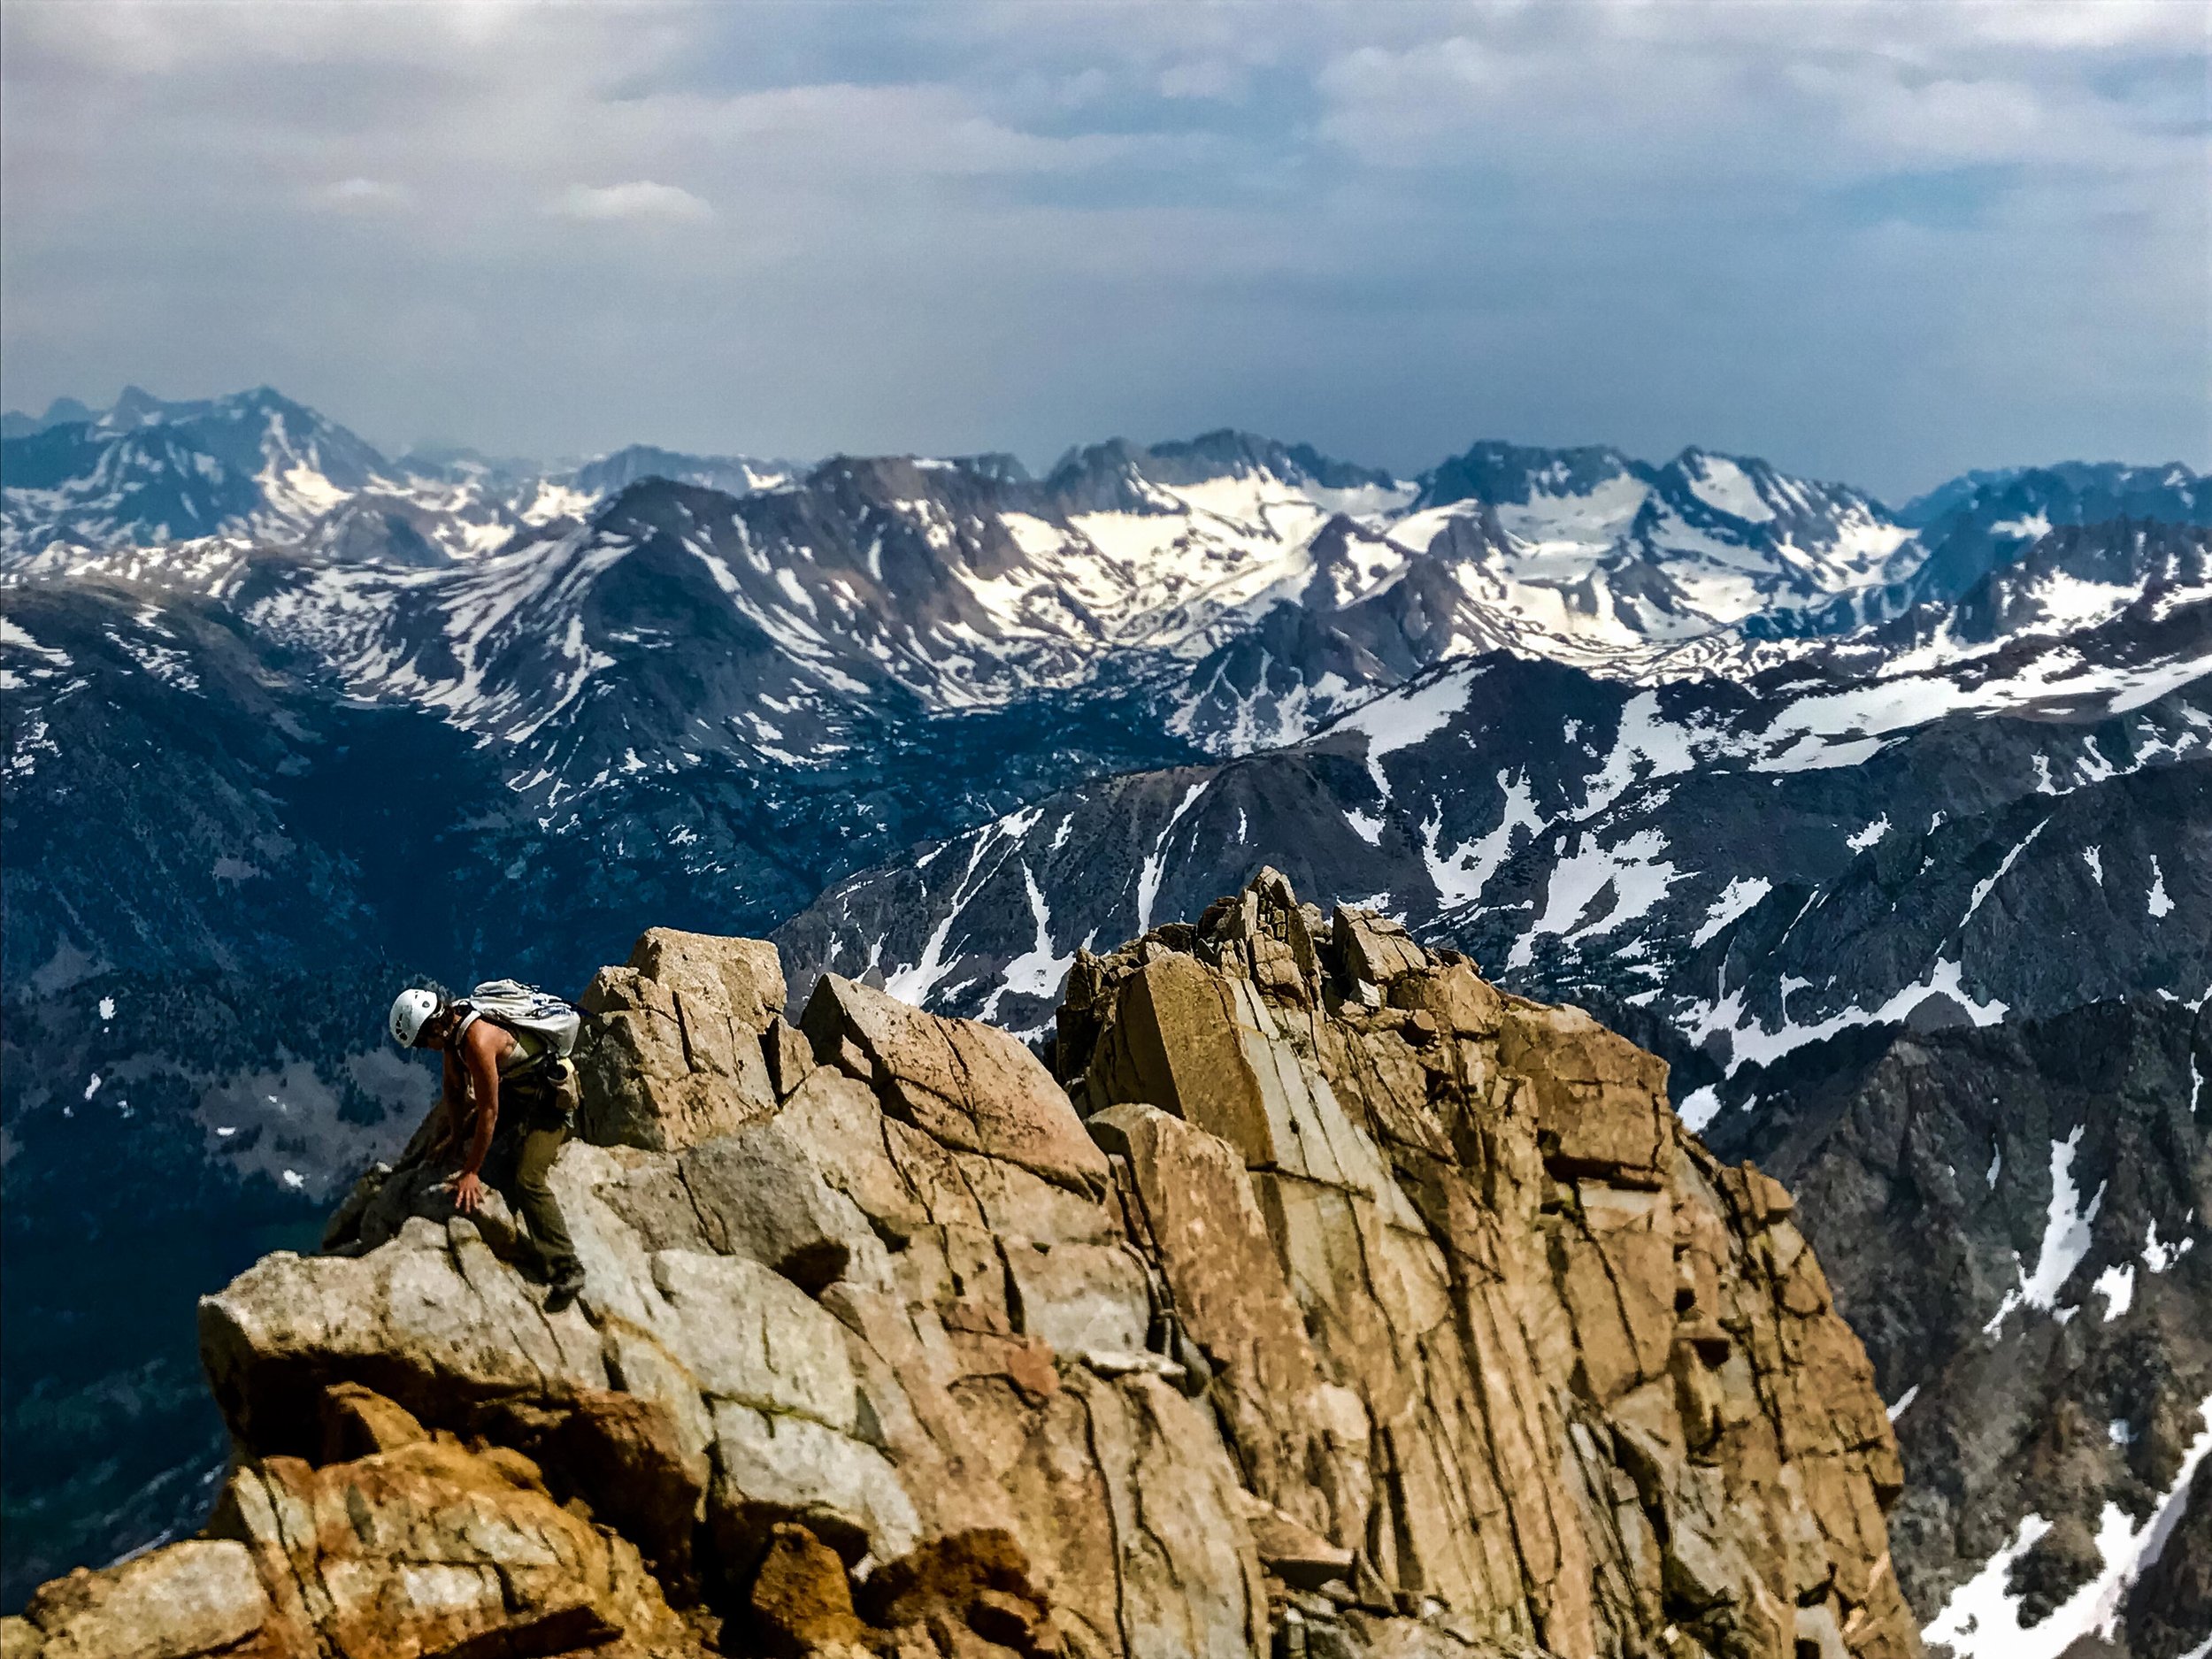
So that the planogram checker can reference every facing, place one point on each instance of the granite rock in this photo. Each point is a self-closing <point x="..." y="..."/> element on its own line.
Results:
<point x="1326" y="1301"/>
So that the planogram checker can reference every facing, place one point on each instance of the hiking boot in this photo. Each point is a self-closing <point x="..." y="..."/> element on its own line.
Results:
<point x="565" y="1289"/>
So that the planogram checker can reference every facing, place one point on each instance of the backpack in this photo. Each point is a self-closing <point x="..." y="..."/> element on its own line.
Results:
<point x="524" y="1008"/>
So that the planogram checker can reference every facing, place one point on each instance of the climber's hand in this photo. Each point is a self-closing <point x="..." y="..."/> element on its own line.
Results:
<point x="468" y="1192"/>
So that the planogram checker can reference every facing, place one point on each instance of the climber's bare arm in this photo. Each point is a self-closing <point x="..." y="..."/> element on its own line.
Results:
<point x="480" y="1047"/>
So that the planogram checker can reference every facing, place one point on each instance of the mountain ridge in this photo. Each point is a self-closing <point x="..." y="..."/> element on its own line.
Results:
<point x="1452" y="1343"/>
<point x="949" y="726"/>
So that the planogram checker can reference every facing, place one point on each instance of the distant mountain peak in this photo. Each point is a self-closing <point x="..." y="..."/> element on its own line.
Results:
<point x="134" y="406"/>
<point x="1494" y="470"/>
<point x="1116" y="473"/>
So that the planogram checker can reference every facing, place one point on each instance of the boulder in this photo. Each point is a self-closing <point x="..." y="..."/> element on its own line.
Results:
<point x="1600" y="1101"/>
<point x="743" y="978"/>
<point x="746" y="1334"/>
<point x="1212" y="1049"/>
<point x="1173" y="1044"/>
<point x="431" y="1548"/>
<point x="359" y="1422"/>
<point x="790" y="1057"/>
<point x="432" y="1320"/>
<point x="625" y="1457"/>
<point x="968" y="1085"/>
<point x="199" y="1597"/>
<point x="1083" y="1299"/>
<point x="772" y="1467"/>
<point x="1458" y="999"/>
<point x="671" y="1050"/>
<point x="758" y="1194"/>
<point x="1295" y="1554"/>
<point x="801" y="1601"/>
<point x="978" y="1578"/>
<point x="1375" y="950"/>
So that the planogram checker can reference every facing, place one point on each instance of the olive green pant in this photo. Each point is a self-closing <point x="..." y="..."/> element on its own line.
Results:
<point x="522" y="1183"/>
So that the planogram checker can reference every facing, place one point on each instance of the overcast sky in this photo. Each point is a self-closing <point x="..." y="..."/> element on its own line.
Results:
<point x="1874" y="243"/>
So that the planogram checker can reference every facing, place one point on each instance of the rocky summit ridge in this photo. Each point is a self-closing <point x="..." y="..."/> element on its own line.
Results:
<point x="1305" y="1295"/>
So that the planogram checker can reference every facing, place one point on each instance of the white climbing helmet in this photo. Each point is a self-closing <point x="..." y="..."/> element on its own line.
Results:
<point x="410" y="1009"/>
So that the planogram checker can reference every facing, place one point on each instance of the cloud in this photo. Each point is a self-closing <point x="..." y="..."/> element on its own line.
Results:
<point x="364" y="194"/>
<point x="1877" y="241"/>
<point x="640" y="199"/>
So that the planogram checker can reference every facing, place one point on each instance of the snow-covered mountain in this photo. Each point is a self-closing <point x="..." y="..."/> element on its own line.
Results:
<point x="1578" y="556"/>
<point x="257" y="464"/>
<point x="1255" y="589"/>
<point x="1816" y="798"/>
<point x="1716" y="537"/>
<point x="1985" y="521"/>
<point x="149" y="472"/>
<point x="1620" y="838"/>
<point x="1227" y="579"/>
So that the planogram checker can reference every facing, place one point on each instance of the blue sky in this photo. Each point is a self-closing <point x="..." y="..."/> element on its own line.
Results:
<point x="1875" y="243"/>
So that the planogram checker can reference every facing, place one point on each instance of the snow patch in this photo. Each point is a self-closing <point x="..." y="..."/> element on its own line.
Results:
<point x="1751" y="1043"/>
<point x="1982" y="1619"/>
<point x="1642" y="735"/>
<point x="2116" y="1286"/>
<point x="2158" y="1257"/>
<point x="2066" y="1238"/>
<point x="1632" y="869"/>
<point x="1725" y="487"/>
<point x="1403" y="718"/>
<point x="1155" y="860"/>
<point x="1742" y="893"/>
<point x="1868" y="836"/>
<point x="1460" y="876"/>
<point x="1983" y="888"/>
<point x="1036" y="972"/>
<point x="2031" y="527"/>
<point x="1700" y="1107"/>
<point x="915" y="984"/>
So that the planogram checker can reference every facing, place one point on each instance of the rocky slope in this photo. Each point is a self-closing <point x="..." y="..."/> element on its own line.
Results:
<point x="2011" y="1219"/>
<point x="1336" y="1304"/>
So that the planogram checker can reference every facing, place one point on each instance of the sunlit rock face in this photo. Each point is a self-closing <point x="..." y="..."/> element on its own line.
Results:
<point x="1310" y="1295"/>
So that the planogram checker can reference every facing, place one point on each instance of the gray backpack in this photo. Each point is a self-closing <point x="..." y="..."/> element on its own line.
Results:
<point x="524" y="1008"/>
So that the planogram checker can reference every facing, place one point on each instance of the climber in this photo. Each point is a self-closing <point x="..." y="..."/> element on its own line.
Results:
<point x="492" y="1061"/>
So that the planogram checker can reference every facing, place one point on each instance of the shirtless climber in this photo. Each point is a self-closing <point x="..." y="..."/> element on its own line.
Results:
<point x="491" y="1064"/>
